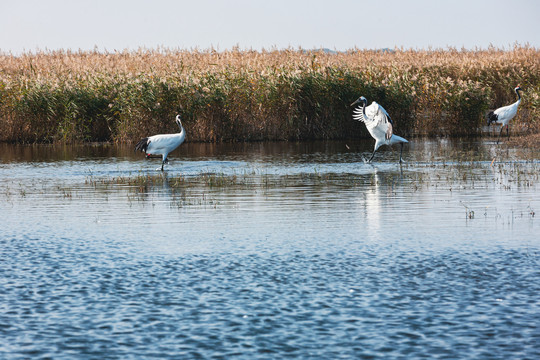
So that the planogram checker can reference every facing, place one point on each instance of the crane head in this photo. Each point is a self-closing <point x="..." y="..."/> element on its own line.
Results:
<point x="361" y="99"/>
<point x="518" y="88"/>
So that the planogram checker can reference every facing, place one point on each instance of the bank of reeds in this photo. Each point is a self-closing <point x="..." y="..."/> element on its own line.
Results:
<point x="249" y="95"/>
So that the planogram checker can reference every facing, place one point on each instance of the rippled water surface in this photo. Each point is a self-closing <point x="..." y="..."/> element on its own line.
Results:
<point x="284" y="250"/>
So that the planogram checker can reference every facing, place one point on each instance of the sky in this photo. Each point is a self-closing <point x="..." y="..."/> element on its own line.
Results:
<point x="117" y="25"/>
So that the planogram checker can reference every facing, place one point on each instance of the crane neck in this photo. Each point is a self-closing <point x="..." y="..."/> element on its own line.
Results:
<point x="180" y="126"/>
<point x="364" y="110"/>
<point x="519" y="96"/>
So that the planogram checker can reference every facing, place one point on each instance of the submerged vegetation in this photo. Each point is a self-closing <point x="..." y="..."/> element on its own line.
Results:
<point x="248" y="95"/>
<point x="208" y="189"/>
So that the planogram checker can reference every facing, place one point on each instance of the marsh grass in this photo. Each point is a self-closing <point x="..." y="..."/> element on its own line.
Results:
<point x="449" y="180"/>
<point x="238" y="95"/>
<point x="445" y="181"/>
<point x="415" y="176"/>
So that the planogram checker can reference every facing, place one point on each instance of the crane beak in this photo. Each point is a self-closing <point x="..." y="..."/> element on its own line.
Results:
<point x="361" y="99"/>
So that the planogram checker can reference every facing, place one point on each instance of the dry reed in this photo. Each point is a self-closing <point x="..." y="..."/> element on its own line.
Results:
<point x="248" y="95"/>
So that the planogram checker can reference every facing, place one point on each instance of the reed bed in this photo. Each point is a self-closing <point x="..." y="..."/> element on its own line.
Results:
<point x="66" y="96"/>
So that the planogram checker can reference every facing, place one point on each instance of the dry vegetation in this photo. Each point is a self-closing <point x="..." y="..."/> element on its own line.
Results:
<point x="248" y="95"/>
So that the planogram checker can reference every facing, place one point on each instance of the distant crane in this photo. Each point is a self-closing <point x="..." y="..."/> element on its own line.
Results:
<point x="379" y="125"/>
<point x="504" y="114"/>
<point x="162" y="144"/>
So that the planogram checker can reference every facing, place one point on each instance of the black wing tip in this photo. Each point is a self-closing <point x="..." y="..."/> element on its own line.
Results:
<point x="492" y="117"/>
<point x="142" y="145"/>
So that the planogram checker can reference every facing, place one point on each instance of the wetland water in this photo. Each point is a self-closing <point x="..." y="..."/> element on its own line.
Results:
<point x="283" y="250"/>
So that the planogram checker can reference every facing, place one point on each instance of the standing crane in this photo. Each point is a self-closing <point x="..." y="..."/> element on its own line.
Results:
<point x="504" y="114"/>
<point x="379" y="125"/>
<point x="162" y="144"/>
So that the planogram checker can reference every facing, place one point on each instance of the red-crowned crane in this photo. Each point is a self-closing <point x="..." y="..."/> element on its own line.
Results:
<point x="379" y="125"/>
<point x="162" y="144"/>
<point x="504" y="114"/>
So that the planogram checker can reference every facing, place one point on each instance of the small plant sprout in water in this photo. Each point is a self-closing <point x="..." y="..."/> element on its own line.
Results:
<point x="531" y="211"/>
<point x="469" y="213"/>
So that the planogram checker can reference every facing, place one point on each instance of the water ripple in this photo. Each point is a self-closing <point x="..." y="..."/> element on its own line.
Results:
<point x="311" y="255"/>
<point x="443" y="304"/>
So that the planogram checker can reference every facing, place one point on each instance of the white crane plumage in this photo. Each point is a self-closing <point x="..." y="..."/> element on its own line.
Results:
<point x="504" y="114"/>
<point x="379" y="125"/>
<point x="162" y="144"/>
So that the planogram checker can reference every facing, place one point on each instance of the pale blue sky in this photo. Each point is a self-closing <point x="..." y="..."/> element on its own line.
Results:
<point x="27" y="25"/>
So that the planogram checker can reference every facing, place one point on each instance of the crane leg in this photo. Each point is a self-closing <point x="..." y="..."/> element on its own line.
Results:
<point x="507" y="133"/>
<point x="372" y="155"/>
<point x="400" y="154"/>
<point x="500" y="132"/>
<point x="165" y="160"/>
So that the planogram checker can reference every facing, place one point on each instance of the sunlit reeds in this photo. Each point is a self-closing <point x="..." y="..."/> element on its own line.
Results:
<point x="248" y="95"/>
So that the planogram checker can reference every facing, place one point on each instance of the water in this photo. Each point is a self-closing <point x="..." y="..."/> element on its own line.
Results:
<point x="284" y="250"/>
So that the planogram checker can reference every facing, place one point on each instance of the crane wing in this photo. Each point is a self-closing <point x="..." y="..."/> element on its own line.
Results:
<point x="376" y="118"/>
<point x="161" y="142"/>
<point x="506" y="113"/>
<point x="358" y="115"/>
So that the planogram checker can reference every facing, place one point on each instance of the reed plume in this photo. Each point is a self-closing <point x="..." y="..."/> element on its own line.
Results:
<point x="67" y="96"/>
